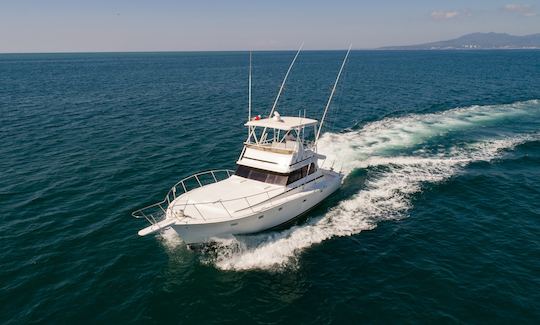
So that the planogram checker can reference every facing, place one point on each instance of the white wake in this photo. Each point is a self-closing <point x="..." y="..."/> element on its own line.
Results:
<point x="388" y="190"/>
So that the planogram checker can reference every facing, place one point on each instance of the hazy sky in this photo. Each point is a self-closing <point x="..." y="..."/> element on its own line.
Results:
<point x="166" y="25"/>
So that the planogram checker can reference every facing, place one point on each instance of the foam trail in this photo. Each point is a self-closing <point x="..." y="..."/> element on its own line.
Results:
<point x="353" y="149"/>
<point x="387" y="193"/>
<point x="386" y="197"/>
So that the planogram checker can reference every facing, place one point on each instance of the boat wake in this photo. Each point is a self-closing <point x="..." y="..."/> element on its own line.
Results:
<point x="401" y="155"/>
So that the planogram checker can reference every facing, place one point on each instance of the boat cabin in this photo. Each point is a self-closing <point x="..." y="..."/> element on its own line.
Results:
<point x="278" y="150"/>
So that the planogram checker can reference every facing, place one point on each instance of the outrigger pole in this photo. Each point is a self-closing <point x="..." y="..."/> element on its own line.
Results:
<point x="263" y="134"/>
<point x="249" y="92"/>
<point x="332" y="93"/>
<point x="284" y="80"/>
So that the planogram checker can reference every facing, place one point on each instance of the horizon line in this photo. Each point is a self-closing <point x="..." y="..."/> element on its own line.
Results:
<point x="185" y="51"/>
<point x="377" y="49"/>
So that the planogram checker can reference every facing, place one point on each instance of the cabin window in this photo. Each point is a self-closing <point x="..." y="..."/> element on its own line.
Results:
<point x="270" y="177"/>
<point x="312" y="169"/>
<point x="261" y="175"/>
<point x="301" y="173"/>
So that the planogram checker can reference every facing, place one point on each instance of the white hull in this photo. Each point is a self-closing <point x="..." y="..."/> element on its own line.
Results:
<point x="296" y="203"/>
<point x="278" y="178"/>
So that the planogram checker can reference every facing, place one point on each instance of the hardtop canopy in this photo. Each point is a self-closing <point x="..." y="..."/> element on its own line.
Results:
<point x="285" y="123"/>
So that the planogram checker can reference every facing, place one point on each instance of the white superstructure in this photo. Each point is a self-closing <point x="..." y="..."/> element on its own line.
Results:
<point x="279" y="177"/>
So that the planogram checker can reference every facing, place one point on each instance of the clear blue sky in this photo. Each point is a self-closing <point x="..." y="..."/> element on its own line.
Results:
<point x="166" y="25"/>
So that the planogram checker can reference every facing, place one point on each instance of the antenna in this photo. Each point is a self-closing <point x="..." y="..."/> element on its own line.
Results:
<point x="284" y="80"/>
<point x="249" y="92"/>
<point x="332" y="93"/>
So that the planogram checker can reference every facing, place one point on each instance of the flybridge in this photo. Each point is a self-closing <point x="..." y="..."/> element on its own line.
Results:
<point x="278" y="144"/>
<point x="280" y="133"/>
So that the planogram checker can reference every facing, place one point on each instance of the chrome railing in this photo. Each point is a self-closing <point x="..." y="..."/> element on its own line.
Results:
<point x="240" y="203"/>
<point x="157" y="211"/>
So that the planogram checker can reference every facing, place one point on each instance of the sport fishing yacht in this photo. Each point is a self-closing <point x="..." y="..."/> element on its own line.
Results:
<point x="279" y="177"/>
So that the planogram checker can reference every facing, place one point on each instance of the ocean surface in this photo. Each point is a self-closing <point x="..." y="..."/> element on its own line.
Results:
<point x="438" y="219"/>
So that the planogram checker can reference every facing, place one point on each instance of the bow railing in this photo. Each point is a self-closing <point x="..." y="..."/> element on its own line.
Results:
<point x="250" y="203"/>
<point x="155" y="212"/>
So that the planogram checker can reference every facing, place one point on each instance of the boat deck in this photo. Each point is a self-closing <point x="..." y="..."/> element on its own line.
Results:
<point x="229" y="198"/>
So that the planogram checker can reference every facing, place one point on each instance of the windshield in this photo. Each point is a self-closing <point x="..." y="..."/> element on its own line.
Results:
<point x="273" y="177"/>
<point x="261" y="175"/>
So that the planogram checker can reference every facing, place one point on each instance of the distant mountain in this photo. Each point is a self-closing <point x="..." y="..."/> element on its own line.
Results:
<point x="477" y="41"/>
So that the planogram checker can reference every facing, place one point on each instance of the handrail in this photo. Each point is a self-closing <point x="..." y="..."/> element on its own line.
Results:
<point x="196" y="176"/>
<point x="211" y="202"/>
<point x="164" y="204"/>
<point x="139" y="214"/>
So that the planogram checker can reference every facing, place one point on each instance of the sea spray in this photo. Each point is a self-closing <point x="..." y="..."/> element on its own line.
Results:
<point x="386" y="197"/>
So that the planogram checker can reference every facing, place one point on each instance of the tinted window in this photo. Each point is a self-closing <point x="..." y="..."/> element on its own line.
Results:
<point x="273" y="177"/>
<point x="242" y="171"/>
<point x="258" y="175"/>
<point x="312" y="169"/>
<point x="294" y="176"/>
<point x="261" y="175"/>
<point x="301" y="173"/>
<point x="279" y="180"/>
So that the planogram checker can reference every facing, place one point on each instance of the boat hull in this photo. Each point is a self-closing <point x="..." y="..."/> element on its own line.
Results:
<point x="277" y="215"/>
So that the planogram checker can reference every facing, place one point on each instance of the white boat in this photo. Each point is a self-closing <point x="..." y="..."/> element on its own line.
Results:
<point x="279" y="177"/>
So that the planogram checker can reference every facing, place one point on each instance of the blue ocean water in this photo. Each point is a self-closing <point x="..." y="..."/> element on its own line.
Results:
<point x="438" y="219"/>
